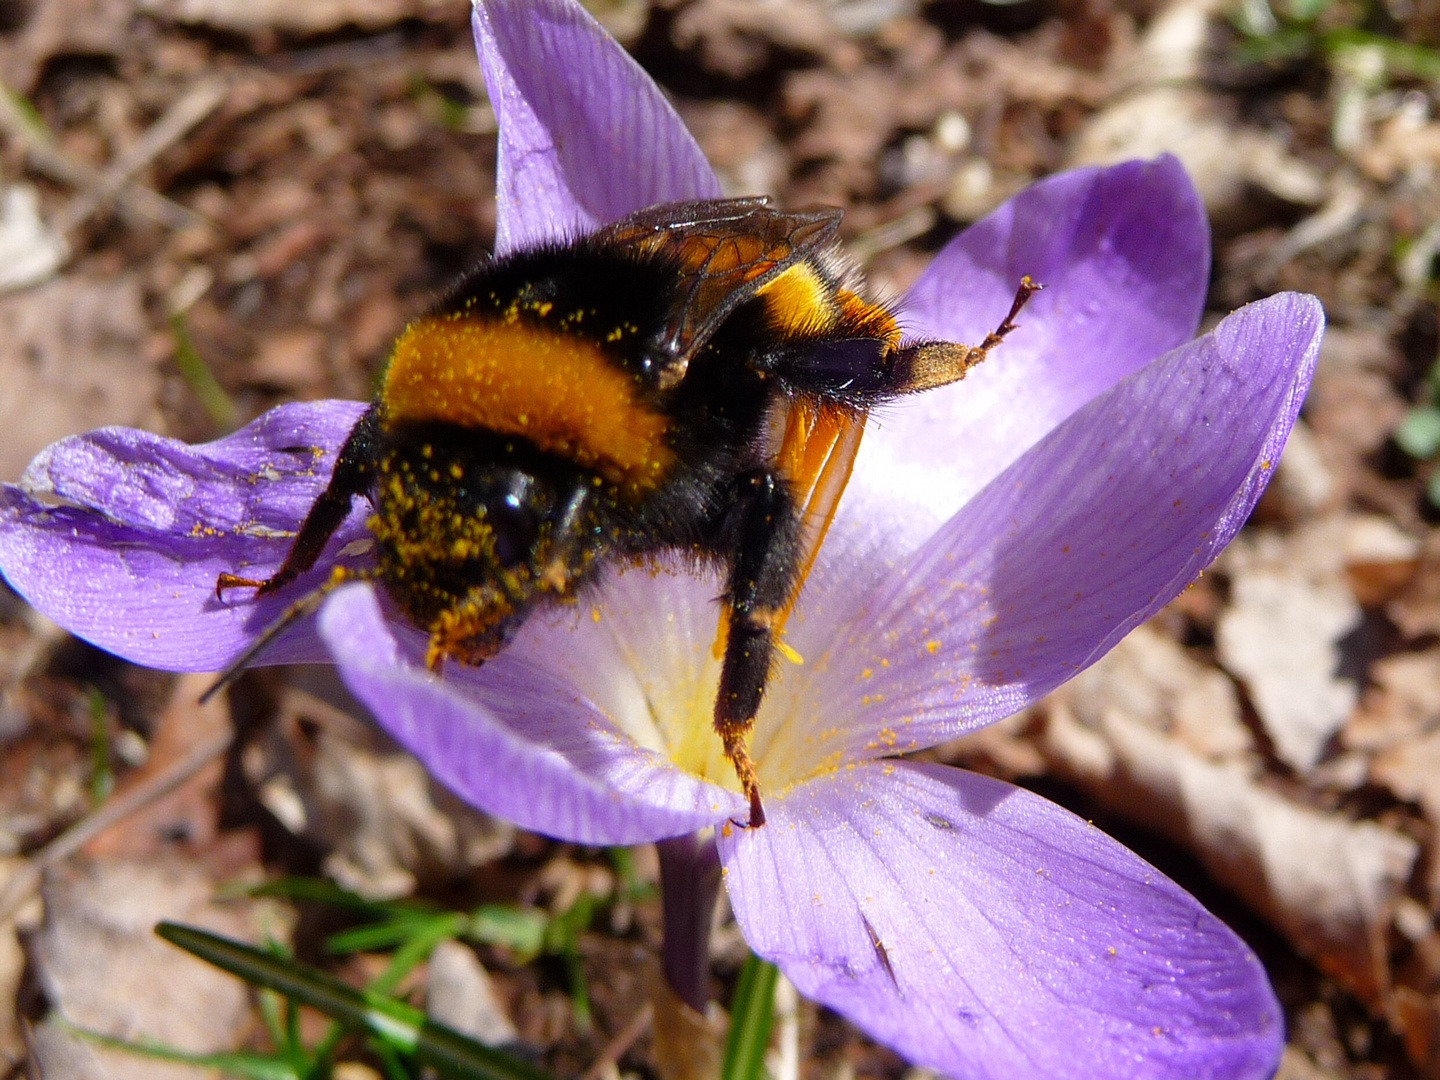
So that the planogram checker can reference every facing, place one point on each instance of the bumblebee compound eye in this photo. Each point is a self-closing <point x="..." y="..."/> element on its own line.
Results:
<point x="515" y="527"/>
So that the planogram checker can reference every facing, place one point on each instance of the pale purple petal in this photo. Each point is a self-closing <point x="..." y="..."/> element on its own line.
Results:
<point x="1124" y="254"/>
<point x="118" y="535"/>
<point x="585" y="135"/>
<point x="985" y="932"/>
<point x="1090" y="533"/>
<point x="638" y="648"/>
<point x="641" y="649"/>
<point x="515" y="740"/>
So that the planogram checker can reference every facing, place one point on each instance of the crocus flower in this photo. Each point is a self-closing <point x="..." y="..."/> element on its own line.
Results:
<point x="998" y="536"/>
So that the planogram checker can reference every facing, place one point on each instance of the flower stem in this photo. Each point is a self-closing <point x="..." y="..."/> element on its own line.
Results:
<point x="689" y="888"/>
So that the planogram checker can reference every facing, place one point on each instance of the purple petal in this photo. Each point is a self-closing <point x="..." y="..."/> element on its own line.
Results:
<point x="987" y="933"/>
<point x="1101" y="524"/>
<point x="585" y="135"/>
<point x="118" y="535"/>
<point x="514" y="740"/>
<point x="1124" y="254"/>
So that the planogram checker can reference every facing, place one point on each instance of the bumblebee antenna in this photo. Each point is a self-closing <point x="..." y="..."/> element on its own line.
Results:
<point x="306" y="605"/>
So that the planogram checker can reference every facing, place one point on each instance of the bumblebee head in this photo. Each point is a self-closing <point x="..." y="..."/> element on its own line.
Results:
<point x="470" y="539"/>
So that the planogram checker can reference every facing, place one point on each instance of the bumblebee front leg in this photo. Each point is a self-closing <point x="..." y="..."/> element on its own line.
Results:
<point x="354" y="469"/>
<point x="767" y="546"/>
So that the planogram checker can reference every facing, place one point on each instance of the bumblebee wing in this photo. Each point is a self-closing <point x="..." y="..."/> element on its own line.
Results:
<point x="817" y="455"/>
<point x="726" y="250"/>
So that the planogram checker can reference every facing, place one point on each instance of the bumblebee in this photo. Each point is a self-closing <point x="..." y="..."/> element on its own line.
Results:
<point x="694" y="377"/>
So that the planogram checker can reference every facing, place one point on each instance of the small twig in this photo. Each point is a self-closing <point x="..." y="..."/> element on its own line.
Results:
<point x="174" y="124"/>
<point x="1342" y="212"/>
<point x="338" y="57"/>
<point x="134" y="200"/>
<point x="32" y="1057"/>
<point x="914" y="223"/>
<point x="622" y="1041"/>
<point x="26" y="879"/>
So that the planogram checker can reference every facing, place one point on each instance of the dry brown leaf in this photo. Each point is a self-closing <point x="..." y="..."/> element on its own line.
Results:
<point x="736" y="36"/>
<point x="71" y="359"/>
<point x="1303" y="481"/>
<point x="1291" y="604"/>
<point x="738" y="142"/>
<point x="1402" y="702"/>
<point x="1404" y="143"/>
<point x="291" y="360"/>
<point x="1221" y="157"/>
<point x="1169" y="110"/>
<point x="1012" y="71"/>
<point x="12" y="967"/>
<point x="1174" y="46"/>
<point x="384" y="827"/>
<point x="1295" y="1064"/>
<point x="1353" y="405"/>
<point x="1280" y="634"/>
<point x="99" y="963"/>
<point x="59" y="1053"/>
<point x="1326" y="882"/>
<point x="459" y="994"/>
<point x="1411" y="769"/>
<point x="688" y="1046"/>
<point x="190" y="812"/>
<point x="1149" y="678"/>
<point x="1377" y="583"/>
<point x="1417" y="1016"/>
<point x="58" y="28"/>
<point x="384" y="823"/>
<point x="1416" y="610"/>
<point x="310" y="17"/>
<point x="282" y="200"/>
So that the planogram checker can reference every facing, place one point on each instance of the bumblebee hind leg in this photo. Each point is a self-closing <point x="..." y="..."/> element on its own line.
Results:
<point x="767" y="535"/>
<point x="939" y="363"/>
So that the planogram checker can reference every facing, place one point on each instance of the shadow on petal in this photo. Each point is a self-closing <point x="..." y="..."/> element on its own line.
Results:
<point x="1100" y="525"/>
<point x="585" y="135"/>
<point x="514" y="740"/>
<point x="987" y="933"/>
<point x="1124" y="254"/>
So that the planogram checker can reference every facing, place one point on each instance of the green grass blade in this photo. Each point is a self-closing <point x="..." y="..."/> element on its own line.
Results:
<point x="1402" y="58"/>
<point x="402" y="1026"/>
<point x="751" y="1012"/>
<point x="521" y="929"/>
<point x="321" y="890"/>
<point x="200" y="378"/>
<point x="416" y="948"/>
<point x="235" y="1063"/>
<point x="397" y="931"/>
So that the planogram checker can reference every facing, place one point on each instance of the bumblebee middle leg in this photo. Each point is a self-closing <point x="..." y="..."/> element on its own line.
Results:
<point x="767" y="543"/>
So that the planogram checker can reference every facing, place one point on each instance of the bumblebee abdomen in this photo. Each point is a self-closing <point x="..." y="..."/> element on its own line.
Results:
<point x="558" y="390"/>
